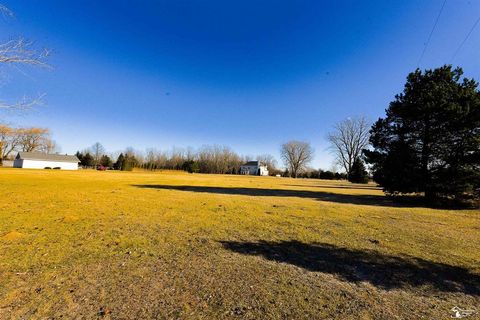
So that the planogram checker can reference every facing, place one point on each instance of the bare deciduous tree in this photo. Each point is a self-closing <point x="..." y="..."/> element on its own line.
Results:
<point x="296" y="155"/>
<point x="348" y="140"/>
<point x="97" y="151"/>
<point x="34" y="139"/>
<point x="218" y="159"/>
<point x="269" y="161"/>
<point x="22" y="52"/>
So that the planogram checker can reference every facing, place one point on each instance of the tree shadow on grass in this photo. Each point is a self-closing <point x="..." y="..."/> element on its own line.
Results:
<point x="372" y="200"/>
<point x="352" y="187"/>
<point x="383" y="271"/>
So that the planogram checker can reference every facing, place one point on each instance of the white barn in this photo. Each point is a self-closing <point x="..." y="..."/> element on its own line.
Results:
<point x="255" y="168"/>
<point x="38" y="160"/>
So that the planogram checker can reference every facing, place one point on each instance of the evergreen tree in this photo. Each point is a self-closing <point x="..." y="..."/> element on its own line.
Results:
<point x="79" y="155"/>
<point x="118" y="165"/>
<point x="429" y="141"/>
<point x="129" y="162"/>
<point x="191" y="166"/>
<point x="106" y="161"/>
<point x="358" y="173"/>
<point x="87" y="160"/>
<point x="327" y="175"/>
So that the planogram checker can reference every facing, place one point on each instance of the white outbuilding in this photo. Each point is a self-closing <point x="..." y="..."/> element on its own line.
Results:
<point x="38" y="160"/>
<point x="254" y="168"/>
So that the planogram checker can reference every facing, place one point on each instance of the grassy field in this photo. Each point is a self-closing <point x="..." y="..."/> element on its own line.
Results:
<point x="137" y="245"/>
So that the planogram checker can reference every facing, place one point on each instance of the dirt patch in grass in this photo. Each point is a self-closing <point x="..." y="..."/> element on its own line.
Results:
<point x="12" y="236"/>
<point x="70" y="218"/>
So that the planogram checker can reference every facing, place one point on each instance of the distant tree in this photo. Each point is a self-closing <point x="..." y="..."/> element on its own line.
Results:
<point x="269" y="161"/>
<point x="87" y="160"/>
<point x="132" y="159"/>
<point x="118" y="165"/>
<point x="97" y="151"/>
<point x="348" y="140"/>
<point x="79" y="155"/>
<point x="429" y="141"/>
<point x="358" y="173"/>
<point x="105" y="161"/>
<point x="327" y="175"/>
<point x="129" y="160"/>
<point x="296" y="155"/>
<point x="310" y="173"/>
<point x="331" y="175"/>
<point x="34" y="139"/>
<point x="127" y="165"/>
<point x="191" y="166"/>
<point x="218" y="159"/>
<point x="340" y="176"/>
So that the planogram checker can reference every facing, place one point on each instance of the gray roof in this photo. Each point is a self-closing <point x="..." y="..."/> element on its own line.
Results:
<point x="47" y="157"/>
<point x="254" y="164"/>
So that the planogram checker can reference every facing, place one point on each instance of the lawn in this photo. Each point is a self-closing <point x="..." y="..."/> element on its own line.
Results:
<point x="138" y="245"/>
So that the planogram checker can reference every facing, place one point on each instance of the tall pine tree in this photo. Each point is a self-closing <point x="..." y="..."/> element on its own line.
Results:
<point x="429" y="141"/>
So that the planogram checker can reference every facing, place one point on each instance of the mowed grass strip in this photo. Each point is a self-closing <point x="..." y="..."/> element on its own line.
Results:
<point x="135" y="245"/>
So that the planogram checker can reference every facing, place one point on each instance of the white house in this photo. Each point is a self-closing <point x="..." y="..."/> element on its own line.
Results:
<point x="38" y="160"/>
<point x="254" y="168"/>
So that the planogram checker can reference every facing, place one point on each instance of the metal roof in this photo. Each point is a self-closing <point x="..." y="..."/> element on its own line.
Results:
<point x="253" y="163"/>
<point x="47" y="157"/>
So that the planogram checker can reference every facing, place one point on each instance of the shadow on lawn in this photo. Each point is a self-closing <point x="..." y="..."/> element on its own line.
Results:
<point x="382" y="271"/>
<point x="373" y="200"/>
<point x="352" y="187"/>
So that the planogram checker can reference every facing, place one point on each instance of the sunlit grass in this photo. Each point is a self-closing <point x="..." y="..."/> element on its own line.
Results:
<point x="169" y="244"/>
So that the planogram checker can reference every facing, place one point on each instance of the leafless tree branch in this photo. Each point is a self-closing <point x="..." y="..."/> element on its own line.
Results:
<point x="21" y="51"/>
<point x="5" y="12"/>
<point x="24" y="104"/>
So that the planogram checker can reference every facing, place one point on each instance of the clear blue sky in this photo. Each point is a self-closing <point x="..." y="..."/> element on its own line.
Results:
<point x="248" y="74"/>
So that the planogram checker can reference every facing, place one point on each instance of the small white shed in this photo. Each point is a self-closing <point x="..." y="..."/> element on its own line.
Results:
<point x="38" y="160"/>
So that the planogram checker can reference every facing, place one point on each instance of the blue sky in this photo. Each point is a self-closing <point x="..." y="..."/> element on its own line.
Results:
<point x="247" y="74"/>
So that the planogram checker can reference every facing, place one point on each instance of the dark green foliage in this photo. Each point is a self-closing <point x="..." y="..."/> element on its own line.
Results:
<point x="129" y="162"/>
<point x="330" y="175"/>
<point x="340" y="176"/>
<point x="79" y="156"/>
<point x="358" y="173"/>
<point x="126" y="165"/>
<point x="125" y="162"/>
<point x="106" y="161"/>
<point x="120" y="162"/>
<point x="327" y="175"/>
<point x="87" y="160"/>
<point x="429" y="141"/>
<point x="191" y="166"/>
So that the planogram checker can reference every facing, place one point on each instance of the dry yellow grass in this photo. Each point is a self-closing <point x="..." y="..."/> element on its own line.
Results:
<point x="173" y="245"/>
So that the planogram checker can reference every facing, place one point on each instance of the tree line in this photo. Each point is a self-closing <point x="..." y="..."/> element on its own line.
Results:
<point x="207" y="159"/>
